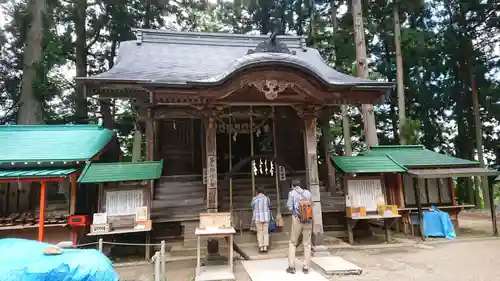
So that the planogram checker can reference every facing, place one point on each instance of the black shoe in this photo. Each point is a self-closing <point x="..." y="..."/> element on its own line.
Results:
<point x="305" y="270"/>
<point x="290" y="270"/>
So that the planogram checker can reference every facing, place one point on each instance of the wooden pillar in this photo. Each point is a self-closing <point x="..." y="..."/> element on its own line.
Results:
<point x="72" y="199"/>
<point x="452" y="191"/>
<point x="211" y="152"/>
<point x="211" y="158"/>
<point x="41" y="224"/>
<point x="401" y="195"/>
<point x="312" y="178"/>
<point x="419" y="207"/>
<point x="492" y="206"/>
<point x="150" y="146"/>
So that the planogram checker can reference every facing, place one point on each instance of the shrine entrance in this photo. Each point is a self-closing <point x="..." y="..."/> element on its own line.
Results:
<point x="247" y="150"/>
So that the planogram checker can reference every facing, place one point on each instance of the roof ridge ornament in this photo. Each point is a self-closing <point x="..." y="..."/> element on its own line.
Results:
<point x="273" y="44"/>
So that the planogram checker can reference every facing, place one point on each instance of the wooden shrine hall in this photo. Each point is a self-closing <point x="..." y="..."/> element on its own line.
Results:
<point x="227" y="113"/>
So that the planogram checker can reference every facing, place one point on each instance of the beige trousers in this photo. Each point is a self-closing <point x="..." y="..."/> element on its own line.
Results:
<point x="306" y="231"/>
<point x="262" y="233"/>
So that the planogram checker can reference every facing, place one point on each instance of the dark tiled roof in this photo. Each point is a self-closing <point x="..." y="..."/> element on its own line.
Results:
<point x="166" y="57"/>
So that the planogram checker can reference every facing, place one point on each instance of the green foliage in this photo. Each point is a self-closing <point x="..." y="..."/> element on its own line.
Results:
<point x="412" y="132"/>
<point x="442" y="43"/>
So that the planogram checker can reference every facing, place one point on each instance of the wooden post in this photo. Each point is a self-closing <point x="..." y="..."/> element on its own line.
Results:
<point x="230" y="139"/>
<point x="452" y="191"/>
<point x="401" y="195"/>
<point x="279" y="219"/>
<point x="150" y="146"/>
<point x="492" y="207"/>
<point x="252" y="151"/>
<point x="72" y="199"/>
<point x="211" y="153"/>
<point x="419" y="207"/>
<point x="41" y="224"/>
<point x="312" y="168"/>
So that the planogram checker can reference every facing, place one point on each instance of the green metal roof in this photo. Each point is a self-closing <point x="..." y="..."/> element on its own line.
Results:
<point x="51" y="143"/>
<point x="121" y="171"/>
<point x="417" y="156"/>
<point x="367" y="164"/>
<point x="35" y="173"/>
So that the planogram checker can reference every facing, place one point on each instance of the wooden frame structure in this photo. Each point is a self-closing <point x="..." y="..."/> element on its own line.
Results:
<point x="43" y="182"/>
<point x="449" y="173"/>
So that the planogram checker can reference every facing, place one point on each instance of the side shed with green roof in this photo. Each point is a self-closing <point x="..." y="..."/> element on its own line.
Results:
<point x="380" y="170"/>
<point x="429" y="180"/>
<point x="432" y="171"/>
<point x="48" y="156"/>
<point x="123" y="196"/>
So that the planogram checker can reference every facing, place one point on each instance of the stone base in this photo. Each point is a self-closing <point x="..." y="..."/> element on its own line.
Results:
<point x="319" y="251"/>
<point x="214" y="259"/>
<point x="333" y="265"/>
<point x="215" y="273"/>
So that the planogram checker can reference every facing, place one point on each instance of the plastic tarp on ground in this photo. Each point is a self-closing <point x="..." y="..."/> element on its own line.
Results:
<point x="437" y="224"/>
<point x="23" y="260"/>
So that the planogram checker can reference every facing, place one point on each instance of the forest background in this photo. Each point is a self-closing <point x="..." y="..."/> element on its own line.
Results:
<point x="449" y="48"/>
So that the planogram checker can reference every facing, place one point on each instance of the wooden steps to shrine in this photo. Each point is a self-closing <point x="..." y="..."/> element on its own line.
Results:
<point x="178" y="199"/>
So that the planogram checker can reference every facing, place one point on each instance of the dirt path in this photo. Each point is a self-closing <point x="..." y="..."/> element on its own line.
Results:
<point x="477" y="260"/>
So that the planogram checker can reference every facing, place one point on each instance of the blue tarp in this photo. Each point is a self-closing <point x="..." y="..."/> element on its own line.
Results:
<point x="437" y="224"/>
<point x="23" y="260"/>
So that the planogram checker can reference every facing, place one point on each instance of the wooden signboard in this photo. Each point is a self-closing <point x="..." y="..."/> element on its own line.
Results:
<point x="215" y="220"/>
<point x="364" y="193"/>
<point x="124" y="202"/>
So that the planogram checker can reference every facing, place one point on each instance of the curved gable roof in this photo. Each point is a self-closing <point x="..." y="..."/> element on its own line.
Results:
<point x="177" y="58"/>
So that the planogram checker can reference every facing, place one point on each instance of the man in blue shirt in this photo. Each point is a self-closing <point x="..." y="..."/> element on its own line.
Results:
<point x="261" y="206"/>
<point x="294" y="197"/>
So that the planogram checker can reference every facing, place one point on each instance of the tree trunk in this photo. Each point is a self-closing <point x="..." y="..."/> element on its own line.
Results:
<point x="371" y="138"/>
<point x="346" y="129"/>
<point x="107" y="118"/>
<point x="479" y="138"/>
<point x="399" y="74"/>
<point x="30" y="109"/>
<point x="344" y="110"/>
<point x="81" y="113"/>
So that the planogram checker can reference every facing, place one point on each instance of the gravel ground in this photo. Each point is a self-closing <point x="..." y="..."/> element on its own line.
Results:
<point x="465" y="260"/>
<point x="476" y="260"/>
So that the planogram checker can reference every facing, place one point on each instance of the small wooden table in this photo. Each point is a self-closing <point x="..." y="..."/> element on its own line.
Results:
<point x="388" y="220"/>
<point x="147" y="231"/>
<point x="214" y="272"/>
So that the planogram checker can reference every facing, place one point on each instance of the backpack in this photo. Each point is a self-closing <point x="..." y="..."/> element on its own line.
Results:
<point x="305" y="210"/>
